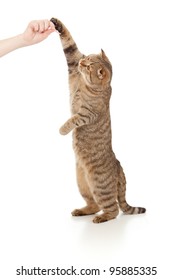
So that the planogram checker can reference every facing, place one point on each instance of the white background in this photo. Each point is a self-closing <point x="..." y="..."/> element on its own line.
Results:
<point x="37" y="169"/>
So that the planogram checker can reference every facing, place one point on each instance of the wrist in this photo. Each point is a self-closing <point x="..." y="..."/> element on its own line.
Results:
<point x="20" y="41"/>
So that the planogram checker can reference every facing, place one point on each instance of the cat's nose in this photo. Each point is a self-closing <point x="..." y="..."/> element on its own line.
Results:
<point x="82" y="62"/>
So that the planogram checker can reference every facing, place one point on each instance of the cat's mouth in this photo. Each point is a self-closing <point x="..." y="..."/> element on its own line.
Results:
<point x="82" y="62"/>
<point x="81" y="65"/>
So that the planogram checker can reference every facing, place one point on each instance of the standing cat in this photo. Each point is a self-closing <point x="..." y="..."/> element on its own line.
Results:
<point x="100" y="177"/>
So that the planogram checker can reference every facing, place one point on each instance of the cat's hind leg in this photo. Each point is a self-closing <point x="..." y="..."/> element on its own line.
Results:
<point x="110" y="211"/>
<point x="105" y="195"/>
<point x="91" y="207"/>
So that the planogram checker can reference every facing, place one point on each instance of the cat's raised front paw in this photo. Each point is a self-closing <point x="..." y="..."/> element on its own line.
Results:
<point x="58" y="24"/>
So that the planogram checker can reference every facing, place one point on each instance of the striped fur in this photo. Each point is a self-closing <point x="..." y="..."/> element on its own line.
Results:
<point x="100" y="177"/>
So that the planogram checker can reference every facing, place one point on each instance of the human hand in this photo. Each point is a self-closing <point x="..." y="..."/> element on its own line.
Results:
<point x="37" y="31"/>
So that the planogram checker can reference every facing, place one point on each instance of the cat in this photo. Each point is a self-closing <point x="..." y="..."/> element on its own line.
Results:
<point x="100" y="177"/>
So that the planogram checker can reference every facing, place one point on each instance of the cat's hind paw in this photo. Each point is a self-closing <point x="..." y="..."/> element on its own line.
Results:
<point x="99" y="219"/>
<point x="87" y="210"/>
<point x="77" y="212"/>
<point x="105" y="217"/>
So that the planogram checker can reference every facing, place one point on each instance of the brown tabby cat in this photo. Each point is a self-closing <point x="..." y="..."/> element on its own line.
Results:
<point x="100" y="177"/>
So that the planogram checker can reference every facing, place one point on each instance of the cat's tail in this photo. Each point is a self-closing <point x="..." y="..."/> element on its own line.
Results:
<point x="124" y="206"/>
<point x="121" y="197"/>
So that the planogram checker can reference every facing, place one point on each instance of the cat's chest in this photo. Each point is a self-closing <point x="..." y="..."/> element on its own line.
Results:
<point x="76" y="93"/>
<point x="75" y="101"/>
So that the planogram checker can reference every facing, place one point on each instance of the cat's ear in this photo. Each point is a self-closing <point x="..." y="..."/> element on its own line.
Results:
<point x="101" y="73"/>
<point x="103" y="55"/>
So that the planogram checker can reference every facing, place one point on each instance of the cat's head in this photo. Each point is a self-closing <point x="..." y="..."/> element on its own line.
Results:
<point x="96" y="70"/>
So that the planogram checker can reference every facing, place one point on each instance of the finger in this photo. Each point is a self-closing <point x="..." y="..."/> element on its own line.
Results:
<point x="46" y="33"/>
<point x="41" y="25"/>
<point x="48" y="25"/>
<point x="34" y="25"/>
<point x="51" y="25"/>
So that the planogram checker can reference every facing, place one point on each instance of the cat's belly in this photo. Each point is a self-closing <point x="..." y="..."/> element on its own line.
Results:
<point x="89" y="145"/>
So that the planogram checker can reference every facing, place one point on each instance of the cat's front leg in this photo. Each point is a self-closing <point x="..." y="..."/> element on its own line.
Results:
<point x="58" y="24"/>
<point x="71" y="51"/>
<point x="75" y="121"/>
<point x="66" y="127"/>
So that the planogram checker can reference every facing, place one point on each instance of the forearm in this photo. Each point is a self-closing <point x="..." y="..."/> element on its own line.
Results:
<point x="11" y="44"/>
<point x="36" y="32"/>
